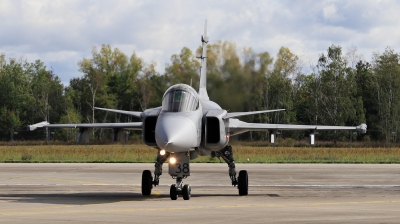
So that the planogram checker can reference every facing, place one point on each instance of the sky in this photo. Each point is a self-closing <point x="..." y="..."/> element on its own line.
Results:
<point x="61" y="33"/>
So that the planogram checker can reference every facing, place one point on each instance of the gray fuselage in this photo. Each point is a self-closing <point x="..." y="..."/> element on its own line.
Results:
<point x="181" y="130"/>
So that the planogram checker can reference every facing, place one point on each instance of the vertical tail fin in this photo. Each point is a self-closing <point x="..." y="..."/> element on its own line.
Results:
<point x="203" y="66"/>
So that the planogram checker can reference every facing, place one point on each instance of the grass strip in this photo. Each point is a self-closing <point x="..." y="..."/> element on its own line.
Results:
<point x="243" y="154"/>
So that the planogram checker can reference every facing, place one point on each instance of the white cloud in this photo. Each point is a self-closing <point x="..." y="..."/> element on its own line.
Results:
<point x="330" y="12"/>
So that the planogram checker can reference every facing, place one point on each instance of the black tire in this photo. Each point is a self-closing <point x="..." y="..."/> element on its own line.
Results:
<point x="186" y="192"/>
<point x="243" y="183"/>
<point x="147" y="183"/>
<point x="173" y="193"/>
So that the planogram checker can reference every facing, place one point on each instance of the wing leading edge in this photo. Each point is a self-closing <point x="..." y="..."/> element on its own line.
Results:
<point x="131" y="113"/>
<point x="237" y="127"/>
<point x="127" y="126"/>
<point x="238" y="114"/>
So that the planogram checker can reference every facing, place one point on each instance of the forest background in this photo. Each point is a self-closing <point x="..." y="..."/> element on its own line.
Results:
<point x="341" y="88"/>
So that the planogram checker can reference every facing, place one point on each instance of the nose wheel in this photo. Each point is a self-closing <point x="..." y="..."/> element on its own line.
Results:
<point x="173" y="192"/>
<point x="186" y="192"/>
<point x="177" y="189"/>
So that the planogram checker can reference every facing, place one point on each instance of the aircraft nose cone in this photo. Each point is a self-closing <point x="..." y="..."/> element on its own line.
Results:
<point x="175" y="134"/>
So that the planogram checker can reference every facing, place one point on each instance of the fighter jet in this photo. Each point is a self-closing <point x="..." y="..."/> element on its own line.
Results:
<point x="187" y="125"/>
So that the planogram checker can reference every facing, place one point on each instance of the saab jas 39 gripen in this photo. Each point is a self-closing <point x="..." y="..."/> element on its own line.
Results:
<point x="188" y="125"/>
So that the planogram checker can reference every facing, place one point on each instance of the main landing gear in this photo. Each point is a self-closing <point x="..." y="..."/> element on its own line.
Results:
<point x="147" y="183"/>
<point x="147" y="179"/>
<point x="242" y="182"/>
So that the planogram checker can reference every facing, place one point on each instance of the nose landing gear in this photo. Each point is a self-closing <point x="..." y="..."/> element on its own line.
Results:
<point x="177" y="189"/>
<point x="179" y="169"/>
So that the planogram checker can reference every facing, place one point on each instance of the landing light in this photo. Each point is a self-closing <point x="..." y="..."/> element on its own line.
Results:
<point x="172" y="160"/>
<point x="162" y="152"/>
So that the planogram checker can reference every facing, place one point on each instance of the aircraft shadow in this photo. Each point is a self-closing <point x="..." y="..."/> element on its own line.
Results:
<point x="75" y="198"/>
<point x="102" y="197"/>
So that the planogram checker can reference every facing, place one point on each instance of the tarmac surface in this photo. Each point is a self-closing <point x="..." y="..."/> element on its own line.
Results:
<point x="278" y="193"/>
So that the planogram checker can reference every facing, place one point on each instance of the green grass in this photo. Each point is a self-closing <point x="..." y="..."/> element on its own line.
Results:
<point x="243" y="154"/>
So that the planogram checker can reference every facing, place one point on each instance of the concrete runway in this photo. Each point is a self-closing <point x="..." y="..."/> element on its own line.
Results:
<point x="278" y="193"/>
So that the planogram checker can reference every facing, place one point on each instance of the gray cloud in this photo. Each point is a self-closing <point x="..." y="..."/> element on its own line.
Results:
<point x="61" y="33"/>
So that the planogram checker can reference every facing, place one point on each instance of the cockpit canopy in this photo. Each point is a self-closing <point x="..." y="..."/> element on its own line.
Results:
<point x="179" y="98"/>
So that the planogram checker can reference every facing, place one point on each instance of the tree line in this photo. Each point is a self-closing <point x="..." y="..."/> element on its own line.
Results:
<point x="340" y="89"/>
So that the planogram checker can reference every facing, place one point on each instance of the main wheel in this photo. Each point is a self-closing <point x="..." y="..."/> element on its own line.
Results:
<point x="243" y="183"/>
<point x="186" y="192"/>
<point x="147" y="183"/>
<point x="173" y="193"/>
